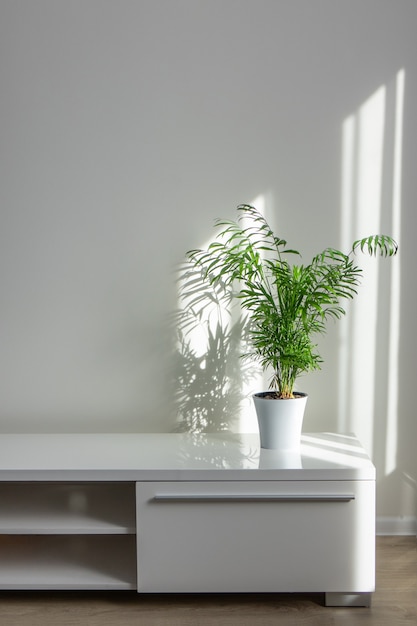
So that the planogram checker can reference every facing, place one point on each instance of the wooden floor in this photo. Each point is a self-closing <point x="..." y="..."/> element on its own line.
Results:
<point x="394" y="603"/>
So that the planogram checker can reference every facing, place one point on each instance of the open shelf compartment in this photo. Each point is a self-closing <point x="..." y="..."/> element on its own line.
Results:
<point x="68" y="562"/>
<point x="67" y="508"/>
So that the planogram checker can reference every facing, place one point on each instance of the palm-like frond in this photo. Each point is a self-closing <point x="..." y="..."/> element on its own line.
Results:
<point x="288" y="304"/>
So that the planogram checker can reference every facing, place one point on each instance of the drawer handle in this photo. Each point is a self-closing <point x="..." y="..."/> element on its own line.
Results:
<point x="253" y="498"/>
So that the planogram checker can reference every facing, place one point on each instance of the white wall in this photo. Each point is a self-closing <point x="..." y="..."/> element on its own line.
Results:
<point x="126" y="127"/>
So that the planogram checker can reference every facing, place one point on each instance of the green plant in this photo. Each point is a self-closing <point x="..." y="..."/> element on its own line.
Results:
<point x="287" y="304"/>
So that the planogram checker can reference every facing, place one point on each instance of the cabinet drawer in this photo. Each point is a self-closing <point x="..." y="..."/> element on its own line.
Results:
<point x="295" y="536"/>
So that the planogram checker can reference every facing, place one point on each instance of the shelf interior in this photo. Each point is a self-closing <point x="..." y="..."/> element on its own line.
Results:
<point x="67" y="562"/>
<point x="67" y="508"/>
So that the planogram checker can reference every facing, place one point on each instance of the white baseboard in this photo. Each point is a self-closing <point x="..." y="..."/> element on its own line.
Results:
<point x="396" y="526"/>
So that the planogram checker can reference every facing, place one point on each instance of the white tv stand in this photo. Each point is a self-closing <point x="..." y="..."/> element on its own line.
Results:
<point x="187" y="513"/>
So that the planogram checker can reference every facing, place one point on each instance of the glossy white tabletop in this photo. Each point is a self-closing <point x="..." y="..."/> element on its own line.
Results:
<point x="221" y="456"/>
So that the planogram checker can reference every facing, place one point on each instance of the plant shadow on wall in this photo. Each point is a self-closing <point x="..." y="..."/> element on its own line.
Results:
<point x="210" y="376"/>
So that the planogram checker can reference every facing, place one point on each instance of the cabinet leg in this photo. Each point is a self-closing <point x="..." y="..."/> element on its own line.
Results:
<point x="348" y="599"/>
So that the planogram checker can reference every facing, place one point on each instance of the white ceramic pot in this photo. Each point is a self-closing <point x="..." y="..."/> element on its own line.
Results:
<point x="280" y="421"/>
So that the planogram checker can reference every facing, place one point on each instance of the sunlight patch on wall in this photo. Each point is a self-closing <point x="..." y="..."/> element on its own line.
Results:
<point x="213" y="385"/>
<point x="394" y="332"/>
<point x="349" y="130"/>
<point x="362" y="169"/>
<point x="370" y="204"/>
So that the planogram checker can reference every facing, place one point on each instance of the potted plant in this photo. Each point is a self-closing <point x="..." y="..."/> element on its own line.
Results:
<point x="288" y="305"/>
